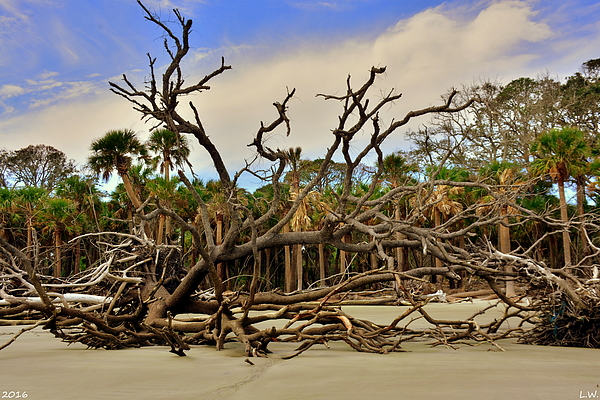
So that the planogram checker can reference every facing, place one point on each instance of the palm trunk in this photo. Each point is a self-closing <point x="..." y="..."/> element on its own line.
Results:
<point x="400" y="253"/>
<point x="221" y="267"/>
<point x="268" y="275"/>
<point x="437" y="219"/>
<point x="583" y="249"/>
<point x="504" y="235"/>
<point x="289" y="275"/>
<point x="564" y="216"/>
<point x="135" y="199"/>
<point x="343" y="261"/>
<point x="77" y="256"/>
<point x="322" y="272"/>
<point x="160" y="230"/>
<point x="57" y="253"/>
<point x="297" y="253"/>
<point x="29" y="237"/>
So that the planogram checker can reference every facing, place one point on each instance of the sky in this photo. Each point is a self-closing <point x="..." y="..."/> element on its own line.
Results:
<point x="57" y="57"/>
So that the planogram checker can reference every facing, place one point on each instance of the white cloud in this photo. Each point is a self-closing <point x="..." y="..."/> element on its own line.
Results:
<point x="160" y="6"/>
<point x="10" y="7"/>
<point x="315" y="5"/>
<point x="72" y="90"/>
<point x="48" y="74"/>
<point x="7" y="109"/>
<point x="9" y="90"/>
<point x="426" y="55"/>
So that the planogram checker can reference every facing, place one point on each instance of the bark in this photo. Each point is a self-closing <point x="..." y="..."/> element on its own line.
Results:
<point x="289" y="272"/>
<point x="58" y="270"/>
<point x="564" y="215"/>
<point x="322" y="268"/>
<point x="504" y="236"/>
<point x="298" y="261"/>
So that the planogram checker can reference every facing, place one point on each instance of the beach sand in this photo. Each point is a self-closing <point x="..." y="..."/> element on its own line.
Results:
<point x="45" y="368"/>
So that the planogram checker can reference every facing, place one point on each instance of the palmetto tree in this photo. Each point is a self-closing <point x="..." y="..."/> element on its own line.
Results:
<point x="172" y="150"/>
<point x="505" y="175"/>
<point x="440" y="200"/>
<point x="396" y="173"/>
<point x="293" y="266"/>
<point x="59" y="215"/>
<point x="7" y="197"/>
<point x="84" y="192"/>
<point x="116" y="150"/>
<point x="560" y="154"/>
<point x="27" y="202"/>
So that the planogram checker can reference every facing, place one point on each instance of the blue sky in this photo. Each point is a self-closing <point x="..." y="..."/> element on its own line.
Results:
<point x="56" y="57"/>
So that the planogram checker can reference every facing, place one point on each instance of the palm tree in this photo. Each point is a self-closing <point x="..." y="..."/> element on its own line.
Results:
<point x="503" y="174"/>
<point x="59" y="215"/>
<point x="440" y="201"/>
<point x="116" y="150"/>
<point x="172" y="150"/>
<point x="293" y="267"/>
<point x="28" y="201"/>
<point x="560" y="154"/>
<point x="84" y="192"/>
<point x="7" y="197"/>
<point x="218" y="206"/>
<point x="395" y="173"/>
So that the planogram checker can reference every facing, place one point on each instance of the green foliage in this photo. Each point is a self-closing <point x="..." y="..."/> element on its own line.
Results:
<point x="38" y="165"/>
<point x="116" y="149"/>
<point x="560" y="153"/>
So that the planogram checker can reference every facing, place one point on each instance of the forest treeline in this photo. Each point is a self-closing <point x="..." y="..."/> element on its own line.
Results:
<point x="536" y="137"/>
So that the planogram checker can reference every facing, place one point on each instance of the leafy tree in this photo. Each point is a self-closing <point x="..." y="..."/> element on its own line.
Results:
<point x="4" y="171"/>
<point x="39" y="166"/>
<point x="580" y="101"/>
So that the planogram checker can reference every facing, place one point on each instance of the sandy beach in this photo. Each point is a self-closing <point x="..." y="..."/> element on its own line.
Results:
<point x="45" y="368"/>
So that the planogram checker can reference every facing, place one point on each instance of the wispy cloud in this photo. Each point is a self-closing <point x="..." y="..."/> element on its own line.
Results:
<point x="323" y="5"/>
<point x="10" y="7"/>
<point x="45" y="90"/>
<point x="185" y="6"/>
<point x="48" y="74"/>
<point x="9" y="90"/>
<point x="70" y="91"/>
<point x="6" y="110"/>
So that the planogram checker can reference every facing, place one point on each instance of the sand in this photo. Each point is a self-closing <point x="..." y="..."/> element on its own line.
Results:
<point x="45" y="368"/>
